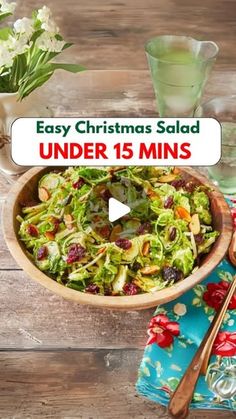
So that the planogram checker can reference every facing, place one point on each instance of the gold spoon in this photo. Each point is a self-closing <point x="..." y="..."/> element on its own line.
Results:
<point x="181" y="398"/>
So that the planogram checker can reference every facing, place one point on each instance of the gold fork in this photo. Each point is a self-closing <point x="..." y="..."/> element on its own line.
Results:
<point x="181" y="398"/>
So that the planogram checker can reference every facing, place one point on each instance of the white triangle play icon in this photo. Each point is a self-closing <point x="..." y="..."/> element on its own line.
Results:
<point x="117" y="209"/>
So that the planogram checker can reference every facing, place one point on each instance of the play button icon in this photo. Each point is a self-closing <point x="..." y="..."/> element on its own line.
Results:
<point x="116" y="209"/>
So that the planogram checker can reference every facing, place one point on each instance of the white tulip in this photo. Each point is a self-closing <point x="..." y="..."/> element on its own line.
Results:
<point x="47" y="23"/>
<point x="50" y="27"/>
<point x="24" y="25"/>
<point x="47" y="42"/>
<point x="6" y="59"/>
<point x="7" y="7"/>
<point x="18" y="45"/>
<point x="44" y="14"/>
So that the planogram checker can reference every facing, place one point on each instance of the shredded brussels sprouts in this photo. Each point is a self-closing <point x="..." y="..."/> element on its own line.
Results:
<point x="68" y="234"/>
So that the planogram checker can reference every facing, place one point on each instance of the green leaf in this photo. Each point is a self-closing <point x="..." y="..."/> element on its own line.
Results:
<point x="73" y="68"/>
<point x="67" y="45"/>
<point x="38" y="79"/>
<point x="36" y="35"/>
<point x="173" y="382"/>
<point x="4" y="33"/>
<point x="4" y="16"/>
<point x="18" y="70"/>
<point x="196" y="302"/>
<point x="198" y="290"/>
<point x="5" y="86"/>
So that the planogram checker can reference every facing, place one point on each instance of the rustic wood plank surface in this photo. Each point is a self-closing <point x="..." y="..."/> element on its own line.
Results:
<point x="57" y="323"/>
<point x="77" y="384"/>
<point x="111" y="33"/>
<point x="96" y="379"/>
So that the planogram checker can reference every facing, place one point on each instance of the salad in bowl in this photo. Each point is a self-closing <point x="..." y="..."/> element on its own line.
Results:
<point x="161" y="241"/>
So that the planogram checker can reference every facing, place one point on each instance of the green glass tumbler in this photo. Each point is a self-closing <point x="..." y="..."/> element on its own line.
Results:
<point x="180" y="67"/>
<point x="223" y="174"/>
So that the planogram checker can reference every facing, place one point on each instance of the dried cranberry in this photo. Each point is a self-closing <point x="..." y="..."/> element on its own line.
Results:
<point x="190" y="186"/>
<point x="136" y="266"/>
<point x="172" y="233"/>
<point x="56" y="223"/>
<point x="130" y="289"/>
<point x="169" y="202"/>
<point x="178" y="183"/>
<point x="104" y="231"/>
<point x="77" y="185"/>
<point x="123" y="243"/>
<point x="76" y="253"/>
<point x="92" y="288"/>
<point x="145" y="228"/>
<point x="105" y="194"/>
<point x="199" y="238"/>
<point x="32" y="230"/>
<point x="170" y="274"/>
<point x="42" y="253"/>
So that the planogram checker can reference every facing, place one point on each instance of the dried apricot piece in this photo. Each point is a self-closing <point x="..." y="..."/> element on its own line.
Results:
<point x="182" y="213"/>
<point x="152" y="194"/>
<point x="101" y="250"/>
<point x="49" y="235"/>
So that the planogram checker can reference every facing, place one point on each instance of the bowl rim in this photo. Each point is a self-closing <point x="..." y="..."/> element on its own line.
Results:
<point x="136" y="302"/>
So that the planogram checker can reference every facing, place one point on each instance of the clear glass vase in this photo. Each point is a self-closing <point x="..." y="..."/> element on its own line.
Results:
<point x="11" y="109"/>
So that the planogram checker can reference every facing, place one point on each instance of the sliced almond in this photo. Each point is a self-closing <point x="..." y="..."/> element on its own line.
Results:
<point x="68" y="221"/>
<point x="146" y="248"/>
<point x="115" y="233"/>
<point x="44" y="195"/>
<point x="176" y="171"/>
<point x="100" y="188"/>
<point x="194" y="224"/>
<point x="167" y="178"/>
<point x="150" y="270"/>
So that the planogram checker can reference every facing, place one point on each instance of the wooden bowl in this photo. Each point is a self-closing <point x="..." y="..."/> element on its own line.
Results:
<point x="25" y="189"/>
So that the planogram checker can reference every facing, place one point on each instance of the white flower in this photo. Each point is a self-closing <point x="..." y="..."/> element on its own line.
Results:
<point x="6" y="58"/>
<point x="47" y="23"/>
<point x="7" y="7"/>
<point x="46" y="42"/>
<point x="18" y="45"/>
<point x="180" y="309"/>
<point x="44" y="14"/>
<point x="50" y="27"/>
<point x="24" y="25"/>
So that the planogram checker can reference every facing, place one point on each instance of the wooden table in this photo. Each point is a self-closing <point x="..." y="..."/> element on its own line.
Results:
<point x="59" y="359"/>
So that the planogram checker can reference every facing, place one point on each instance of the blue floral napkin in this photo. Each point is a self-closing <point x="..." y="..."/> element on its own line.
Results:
<point x="174" y="334"/>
